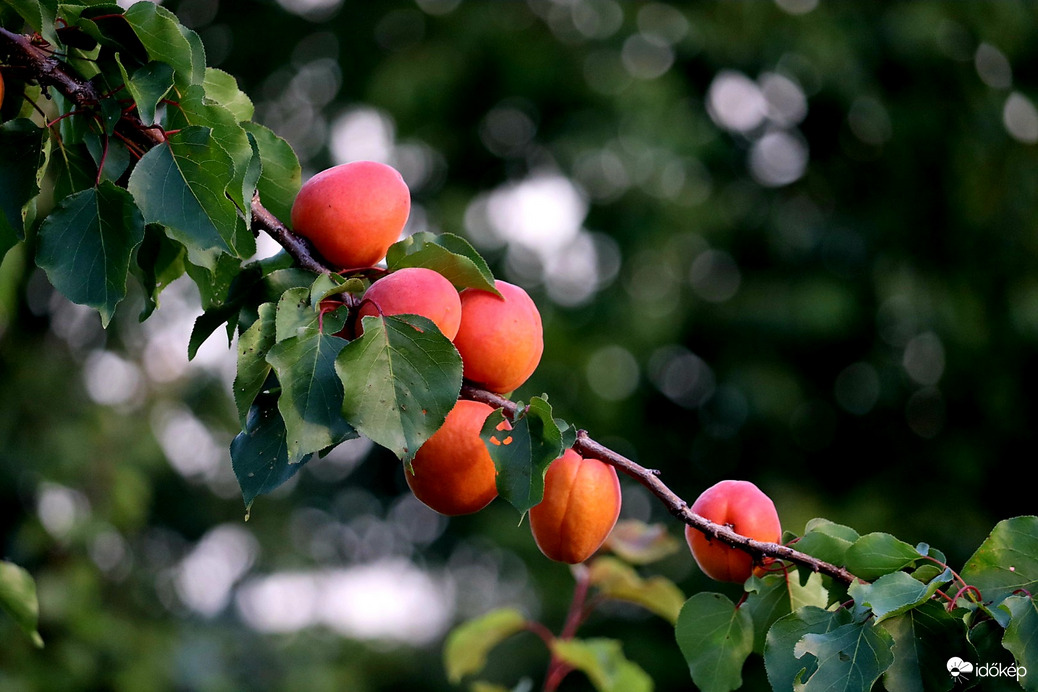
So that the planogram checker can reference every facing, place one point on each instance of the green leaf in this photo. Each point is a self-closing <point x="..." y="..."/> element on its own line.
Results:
<point x="294" y="316"/>
<point x="21" y="150"/>
<point x="827" y="540"/>
<point x="259" y="454"/>
<point x="617" y="580"/>
<point x="895" y="593"/>
<point x="18" y="599"/>
<point x="160" y="261"/>
<point x="784" y="668"/>
<point x="223" y="88"/>
<point x="1021" y="638"/>
<point x="253" y="368"/>
<point x="113" y="153"/>
<point x="181" y="186"/>
<point x="603" y="661"/>
<point x="523" y="451"/>
<point x="640" y="543"/>
<point x="715" y="638"/>
<point x="72" y="169"/>
<point x="281" y="175"/>
<point x="850" y="657"/>
<point x="924" y="639"/>
<point x="167" y="41"/>
<point x="465" y="651"/>
<point x="1006" y="561"/>
<point x="776" y="595"/>
<point x="85" y="246"/>
<point x="401" y="378"/>
<point x="448" y="254"/>
<point x="876" y="554"/>
<point x="38" y="15"/>
<point x="311" y="398"/>
<point x="148" y="86"/>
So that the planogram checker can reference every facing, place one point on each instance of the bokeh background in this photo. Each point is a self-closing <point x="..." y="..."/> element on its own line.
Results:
<point x="789" y="242"/>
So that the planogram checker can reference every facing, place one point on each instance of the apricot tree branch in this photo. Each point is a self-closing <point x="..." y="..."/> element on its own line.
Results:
<point x="18" y="51"/>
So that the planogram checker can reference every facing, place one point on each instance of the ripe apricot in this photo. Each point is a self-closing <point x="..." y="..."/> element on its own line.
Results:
<point x="580" y="507"/>
<point x="500" y="338"/>
<point x="353" y="212"/>
<point x="748" y="511"/>
<point x="415" y="291"/>
<point x="452" y="472"/>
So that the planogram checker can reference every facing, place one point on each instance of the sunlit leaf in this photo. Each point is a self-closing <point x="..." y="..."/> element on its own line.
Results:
<point x="223" y="88"/>
<point x="1006" y="561"/>
<point x="467" y="646"/>
<point x="876" y="554"/>
<point x="895" y="593"/>
<point x="281" y="175"/>
<point x="447" y="254"/>
<point x="640" y="543"/>
<point x="18" y="599"/>
<point x="615" y="579"/>
<point x="604" y="663"/>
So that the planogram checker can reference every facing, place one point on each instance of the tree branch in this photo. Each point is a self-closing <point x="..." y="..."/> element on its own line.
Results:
<point x="39" y="65"/>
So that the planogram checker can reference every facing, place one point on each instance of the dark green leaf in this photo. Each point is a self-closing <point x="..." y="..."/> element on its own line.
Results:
<point x="895" y="593"/>
<point x="148" y="86"/>
<point x="924" y="639"/>
<point x="876" y="554"/>
<point x="85" y="246"/>
<point x="259" y="454"/>
<point x="38" y="15"/>
<point x="785" y="669"/>
<point x="1006" y="561"/>
<point x="776" y="595"/>
<point x="850" y="657"/>
<point x="715" y="638"/>
<point x="401" y="378"/>
<point x="167" y="41"/>
<point x="160" y="261"/>
<point x="253" y="368"/>
<point x="603" y="661"/>
<point x="21" y="149"/>
<point x="1021" y="638"/>
<point x="465" y="651"/>
<point x="522" y="450"/>
<point x="18" y="598"/>
<point x="448" y="254"/>
<point x="112" y="152"/>
<point x="281" y="174"/>
<point x="72" y="169"/>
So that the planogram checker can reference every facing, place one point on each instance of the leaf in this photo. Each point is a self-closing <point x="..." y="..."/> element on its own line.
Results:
<point x="160" y="261"/>
<point x="401" y="378"/>
<point x="38" y="15"/>
<point x="86" y="243"/>
<point x="850" y="657"/>
<point x="1021" y="638"/>
<point x="715" y="638"/>
<point x="924" y="639"/>
<point x="311" y="398"/>
<point x="603" y="661"/>
<point x="447" y="254"/>
<point x="259" y="454"/>
<point x="253" y="368"/>
<point x="148" y="86"/>
<point x="895" y="593"/>
<point x="876" y="554"/>
<point x="523" y="451"/>
<point x="640" y="543"/>
<point x="18" y="599"/>
<point x="619" y="581"/>
<point x="294" y="315"/>
<point x="181" y="186"/>
<point x="784" y="668"/>
<point x="1006" y="561"/>
<point x="223" y="88"/>
<point x="281" y="175"/>
<point x="776" y="595"/>
<point x="827" y="540"/>
<point x="113" y="153"/>
<point x="167" y="41"/>
<point x="21" y="149"/>
<point x="465" y="651"/>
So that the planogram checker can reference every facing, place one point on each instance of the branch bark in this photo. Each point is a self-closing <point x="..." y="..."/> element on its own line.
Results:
<point x="38" y="64"/>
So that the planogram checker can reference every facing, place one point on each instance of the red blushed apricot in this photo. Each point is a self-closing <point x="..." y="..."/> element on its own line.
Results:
<point x="500" y="339"/>
<point x="1" y="89"/>
<point x="353" y="212"/>
<point x="580" y="507"/>
<point x="452" y="472"/>
<point x="748" y="511"/>
<point x="415" y="291"/>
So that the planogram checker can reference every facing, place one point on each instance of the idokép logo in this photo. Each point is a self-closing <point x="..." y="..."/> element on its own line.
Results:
<point x="961" y="670"/>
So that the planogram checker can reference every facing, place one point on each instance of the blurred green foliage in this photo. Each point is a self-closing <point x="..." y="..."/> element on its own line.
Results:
<point x="794" y="247"/>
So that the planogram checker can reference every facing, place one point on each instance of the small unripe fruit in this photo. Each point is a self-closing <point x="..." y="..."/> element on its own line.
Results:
<point x="452" y="472"/>
<point x="580" y="507"/>
<point x="415" y="291"/>
<point x="500" y="338"/>
<point x="353" y="212"/>
<point x="748" y="511"/>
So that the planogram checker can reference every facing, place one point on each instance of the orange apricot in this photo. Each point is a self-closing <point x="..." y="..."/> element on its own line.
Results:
<point x="580" y="507"/>
<point x="500" y="339"/>
<point x="415" y="291"/>
<point x="452" y="472"/>
<point x="742" y="506"/>
<point x="353" y="212"/>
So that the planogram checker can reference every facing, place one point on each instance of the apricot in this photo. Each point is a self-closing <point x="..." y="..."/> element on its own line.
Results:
<point x="742" y="506"/>
<point x="415" y="291"/>
<point x="452" y="472"/>
<point x="500" y="339"/>
<point x="580" y="507"/>
<point x="353" y="212"/>
<point x="1" y="89"/>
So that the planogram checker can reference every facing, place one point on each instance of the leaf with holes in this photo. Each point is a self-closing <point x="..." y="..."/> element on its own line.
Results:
<point x="850" y="657"/>
<point x="401" y="378"/>
<point x="86" y="243"/>
<point x="715" y="638"/>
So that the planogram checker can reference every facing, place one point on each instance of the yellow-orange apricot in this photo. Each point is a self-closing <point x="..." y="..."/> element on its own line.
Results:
<point x="452" y="472"/>
<point x="500" y="339"/>
<point x="580" y="507"/>
<point x="748" y="511"/>
<point x="415" y="291"/>
<point x="353" y="212"/>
